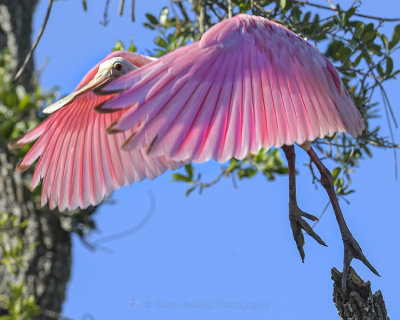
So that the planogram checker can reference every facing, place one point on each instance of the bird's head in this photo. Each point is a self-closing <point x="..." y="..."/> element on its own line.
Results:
<point x="107" y="71"/>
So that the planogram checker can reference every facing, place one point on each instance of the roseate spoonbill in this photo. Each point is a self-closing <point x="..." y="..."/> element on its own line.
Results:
<point x="248" y="83"/>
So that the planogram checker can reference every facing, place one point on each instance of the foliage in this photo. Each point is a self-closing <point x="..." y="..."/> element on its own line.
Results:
<point x="18" y="108"/>
<point x="360" y="51"/>
<point x="19" y="305"/>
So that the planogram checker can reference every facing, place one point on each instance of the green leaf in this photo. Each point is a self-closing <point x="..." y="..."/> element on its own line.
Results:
<point x="189" y="191"/>
<point x="118" y="46"/>
<point x="148" y="26"/>
<point x="153" y="20"/>
<point x="385" y="40"/>
<point x="369" y="33"/>
<point x="180" y="177"/>
<point x="307" y="16"/>
<point x="164" y="15"/>
<point x="161" y="42"/>
<point x="132" y="47"/>
<point x="23" y="224"/>
<point x="389" y="66"/>
<point x="359" y="30"/>
<point x="395" y="37"/>
<point x="84" y="5"/>
<point x="232" y="165"/>
<point x="357" y="60"/>
<point x="350" y="13"/>
<point x="335" y="172"/>
<point x="283" y="4"/>
<point x="189" y="170"/>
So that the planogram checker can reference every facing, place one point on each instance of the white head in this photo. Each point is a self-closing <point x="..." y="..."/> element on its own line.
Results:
<point x="108" y="71"/>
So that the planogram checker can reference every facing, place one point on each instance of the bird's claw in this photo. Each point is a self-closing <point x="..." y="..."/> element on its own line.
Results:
<point x="298" y="224"/>
<point x="353" y="250"/>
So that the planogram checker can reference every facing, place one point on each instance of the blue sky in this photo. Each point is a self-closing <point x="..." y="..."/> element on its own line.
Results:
<point x="228" y="252"/>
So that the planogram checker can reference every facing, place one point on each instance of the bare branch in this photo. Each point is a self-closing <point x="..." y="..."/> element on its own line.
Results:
<point x="121" y="7"/>
<point x="134" y="229"/>
<point x="133" y="11"/>
<point x="183" y="11"/>
<point x="356" y="14"/>
<point x="105" y="14"/>
<point x="229" y="8"/>
<point x="29" y="56"/>
<point x="202" y="17"/>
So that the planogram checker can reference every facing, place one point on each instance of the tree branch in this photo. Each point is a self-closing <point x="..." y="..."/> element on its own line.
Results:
<point x="121" y="7"/>
<point x="29" y="56"/>
<point x="356" y="14"/>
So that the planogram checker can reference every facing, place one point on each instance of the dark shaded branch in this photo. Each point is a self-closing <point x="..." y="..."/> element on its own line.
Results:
<point x="133" y="11"/>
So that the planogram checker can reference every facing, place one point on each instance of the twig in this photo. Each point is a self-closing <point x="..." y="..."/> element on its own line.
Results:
<point x="356" y="14"/>
<point x="387" y="108"/>
<point x="133" y="11"/>
<point x="29" y="56"/>
<point x="331" y="4"/>
<point x="203" y="185"/>
<point x="54" y="314"/>
<point x="215" y="13"/>
<point x="177" y="20"/>
<point x="322" y="213"/>
<point x="383" y="144"/>
<point x="105" y="14"/>
<point x="136" y="228"/>
<point x="121" y="7"/>
<point x="229" y="8"/>
<point x="183" y="11"/>
<point x="202" y="17"/>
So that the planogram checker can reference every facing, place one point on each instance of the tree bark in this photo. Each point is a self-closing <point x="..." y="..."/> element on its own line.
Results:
<point x="359" y="303"/>
<point x="46" y="269"/>
<point x="47" y="266"/>
<point x="15" y="34"/>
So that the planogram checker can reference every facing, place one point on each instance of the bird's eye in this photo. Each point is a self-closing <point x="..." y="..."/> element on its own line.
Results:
<point x="118" y="66"/>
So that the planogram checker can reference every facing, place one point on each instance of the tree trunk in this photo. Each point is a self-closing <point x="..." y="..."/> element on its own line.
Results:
<point x="15" y="34"/>
<point x="46" y="270"/>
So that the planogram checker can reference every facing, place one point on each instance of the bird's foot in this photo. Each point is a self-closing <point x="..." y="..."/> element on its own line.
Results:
<point x="298" y="224"/>
<point x="352" y="250"/>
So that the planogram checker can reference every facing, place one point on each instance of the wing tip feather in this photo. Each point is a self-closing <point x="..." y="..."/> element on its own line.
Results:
<point x="15" y="144"/>
<point x="111" y="128"/>
<point x="21" y="168"/>
<point x="101" y="109"/>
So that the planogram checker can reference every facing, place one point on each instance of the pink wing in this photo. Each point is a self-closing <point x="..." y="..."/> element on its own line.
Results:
<point x="249" y="83"/>
<point x="79" y="162"/>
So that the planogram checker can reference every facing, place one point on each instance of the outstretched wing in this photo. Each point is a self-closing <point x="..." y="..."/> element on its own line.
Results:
<point x="249" y="83"/>
<point x="79" y="162"/>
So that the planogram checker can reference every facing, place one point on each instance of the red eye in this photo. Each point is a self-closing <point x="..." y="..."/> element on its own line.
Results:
<point x="118" y="66"/>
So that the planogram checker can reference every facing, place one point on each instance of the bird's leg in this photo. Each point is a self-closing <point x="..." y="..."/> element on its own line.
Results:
<point x="351" y="248"/>
<point x="295" y="213"/>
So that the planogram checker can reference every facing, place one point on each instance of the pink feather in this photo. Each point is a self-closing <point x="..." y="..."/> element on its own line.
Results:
<point x="248" y="83"/>
<point x="79" y="162"/>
